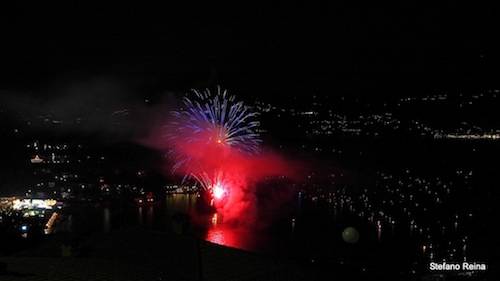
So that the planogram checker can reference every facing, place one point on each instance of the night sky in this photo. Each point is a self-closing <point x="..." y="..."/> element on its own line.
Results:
<point x="352" y="93"/>
<point x="277" y="49"/>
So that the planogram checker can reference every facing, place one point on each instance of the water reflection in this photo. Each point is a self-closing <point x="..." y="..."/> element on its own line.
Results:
<point x="222" y="236"/>
<point x="229" y="236"/>
<point x="106" y="220"/>
<point x="140" y="216"/>
<point x="215" y="219"/>
<point x="181" y="202"/>
<point x="150" y="215"/>
<point x="379" y="231"/>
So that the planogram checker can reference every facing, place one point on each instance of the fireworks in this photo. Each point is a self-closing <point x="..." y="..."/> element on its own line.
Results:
<point x="220" y="119"/>
<point x="208" y="129"/>
<point x="214" y="140"/>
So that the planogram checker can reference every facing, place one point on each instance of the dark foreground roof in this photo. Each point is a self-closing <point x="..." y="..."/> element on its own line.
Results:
<point x="141" y="255"/>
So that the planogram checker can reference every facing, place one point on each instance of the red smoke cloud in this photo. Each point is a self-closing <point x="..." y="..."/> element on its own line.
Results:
<point x="236" y="172"/>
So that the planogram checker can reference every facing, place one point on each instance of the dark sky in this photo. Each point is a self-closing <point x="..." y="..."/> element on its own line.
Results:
<point x="281" y="48"/>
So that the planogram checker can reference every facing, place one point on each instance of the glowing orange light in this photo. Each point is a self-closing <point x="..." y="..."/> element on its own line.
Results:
<point x="214" y="219"/>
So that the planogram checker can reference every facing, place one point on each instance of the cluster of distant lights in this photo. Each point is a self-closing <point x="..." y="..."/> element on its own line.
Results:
<point x="329" y="127"/>
<point x="469" y="136"/>
<point x="38" y="146"/>
<point x="174" y="188"/>
<point x="55" y="159"/>
<point x="390" y="187"/>
<point x="44" y="153"/>
<point x="21" y="204"/>
<point x="340" y="124"/>
<point x="49" y="226"/>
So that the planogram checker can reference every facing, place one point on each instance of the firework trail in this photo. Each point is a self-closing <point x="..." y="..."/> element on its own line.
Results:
<point x="211" y="124"/>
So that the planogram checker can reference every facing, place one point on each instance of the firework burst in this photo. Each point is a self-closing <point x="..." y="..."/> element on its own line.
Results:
<point x="211" y="122"/>
<point x="220" y="117"/>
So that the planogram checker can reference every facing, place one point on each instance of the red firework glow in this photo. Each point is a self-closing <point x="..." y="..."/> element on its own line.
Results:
<point x="231" y="174"/>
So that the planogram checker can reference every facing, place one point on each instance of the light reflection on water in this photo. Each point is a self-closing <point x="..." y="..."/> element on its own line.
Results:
<point x="139" y="216"/>
<point x="106" y="220"/>
<point x="222" y="235"/>
<point x="177" y="206"/>
<point x="150" y="215"/>
<point x="181" y="202"/>
<point x="179" y="213"/>
<point x="230" y="236"/>
<point x="216" y="231"/>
